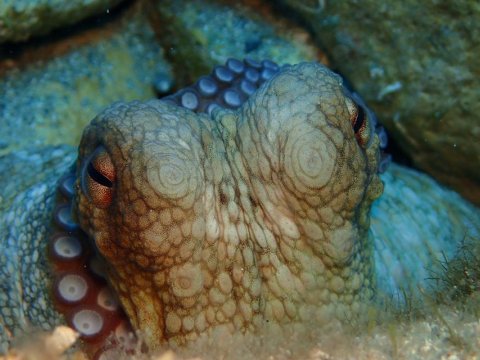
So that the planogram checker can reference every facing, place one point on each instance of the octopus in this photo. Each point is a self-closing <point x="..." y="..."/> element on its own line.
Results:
<point x="240" y="202"/>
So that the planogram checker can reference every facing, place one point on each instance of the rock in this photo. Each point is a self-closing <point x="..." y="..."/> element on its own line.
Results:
<point x="48" y="346"/>
<point x="416" y="64"/>
<point x="202" y="34"/>
<point x="50" y="101"/>
<point x="60" y="340"/>
<point x="22" y="19"/>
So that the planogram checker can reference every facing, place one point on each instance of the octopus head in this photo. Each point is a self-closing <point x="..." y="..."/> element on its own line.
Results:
<point x="223" y="222"/>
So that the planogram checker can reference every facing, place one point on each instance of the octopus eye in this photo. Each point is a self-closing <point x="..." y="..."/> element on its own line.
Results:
<point x="360" y="122"/>
<point x="98" y="177"/>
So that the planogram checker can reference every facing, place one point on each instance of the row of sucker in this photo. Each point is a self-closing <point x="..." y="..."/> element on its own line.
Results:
<point x="230" y="85"/>
<point x="80" y="289"/>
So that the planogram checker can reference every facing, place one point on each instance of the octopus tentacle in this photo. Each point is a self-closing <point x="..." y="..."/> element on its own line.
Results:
<point x="228" y="86"/>
<point x="80" y="290"/>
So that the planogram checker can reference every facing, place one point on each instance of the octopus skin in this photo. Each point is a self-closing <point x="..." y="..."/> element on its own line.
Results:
<point x="229" y="221"/>
<point x="218" y="218"/>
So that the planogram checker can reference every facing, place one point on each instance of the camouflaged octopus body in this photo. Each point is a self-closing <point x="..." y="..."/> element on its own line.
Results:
<point x="235" y="220"/>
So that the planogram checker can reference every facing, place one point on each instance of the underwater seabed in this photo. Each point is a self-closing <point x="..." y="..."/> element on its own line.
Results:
<point x="432" y="330"/>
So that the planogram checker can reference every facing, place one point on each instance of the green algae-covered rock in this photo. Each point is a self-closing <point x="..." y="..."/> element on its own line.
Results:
<point x="416" y="64"/>
<point x="22" y="19"/>
<point x="50" y="102"/>
<point x="202" y="34"/>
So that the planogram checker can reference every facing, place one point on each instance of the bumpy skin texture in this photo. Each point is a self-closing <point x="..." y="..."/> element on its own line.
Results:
<point x="226" y="223"/>
<point x="27" y="202"/>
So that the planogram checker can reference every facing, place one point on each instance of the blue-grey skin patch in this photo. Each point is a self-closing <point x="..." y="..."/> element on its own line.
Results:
<point x="27" y="205"/>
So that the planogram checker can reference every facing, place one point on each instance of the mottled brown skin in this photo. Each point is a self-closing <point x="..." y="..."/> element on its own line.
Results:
<point x="223" y="224"/>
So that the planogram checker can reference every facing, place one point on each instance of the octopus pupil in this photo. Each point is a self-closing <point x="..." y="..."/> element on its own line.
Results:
<point x="98" y="177"/>
<point x="359" y="120"/>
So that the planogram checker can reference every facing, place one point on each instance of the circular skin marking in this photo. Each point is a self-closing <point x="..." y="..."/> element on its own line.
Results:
<point x="310" y="159"/>
<point x="186" y="280"/>
<point x="168" y="176"/>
